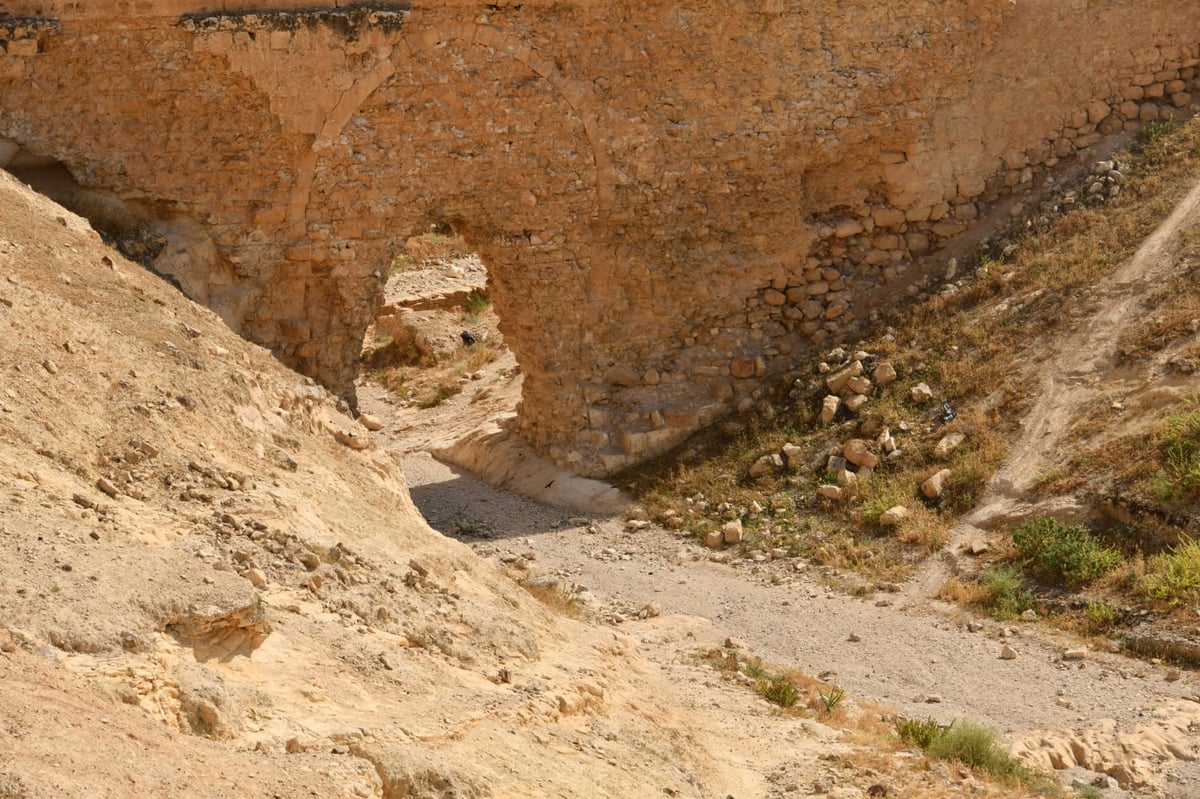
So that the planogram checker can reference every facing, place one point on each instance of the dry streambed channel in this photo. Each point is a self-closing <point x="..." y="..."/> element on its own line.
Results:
<point x="921" y="657"/>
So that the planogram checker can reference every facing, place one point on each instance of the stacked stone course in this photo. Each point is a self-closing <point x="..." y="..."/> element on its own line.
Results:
<point x="674" y="200"/>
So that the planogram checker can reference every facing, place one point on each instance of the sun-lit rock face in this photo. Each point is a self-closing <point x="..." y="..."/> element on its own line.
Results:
<point x="673" y="199"/>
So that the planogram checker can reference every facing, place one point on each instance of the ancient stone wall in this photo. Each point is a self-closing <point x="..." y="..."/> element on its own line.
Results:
<point x="673" y="199"/>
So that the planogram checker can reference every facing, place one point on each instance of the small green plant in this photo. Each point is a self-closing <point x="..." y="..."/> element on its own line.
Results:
<point x="1153" y="131"/>
<point x="754" y="668"/>
<point x="1089" y="792"/>
<point x="437" y="395"/>
<point x="919" y="732"/>
<point x="831" y="699"/>
<point x="977" y="746"/>
<point x="779" y="690"/>
<point x="1006" y="592"/>
<point x="1179" y="443"/>
<point x="399" y="264"/>
<point x="1069" y="555"/>
<point x="477" y="303"/>
<point x="1101" y="616"/>
<point x="1173" y="577"/>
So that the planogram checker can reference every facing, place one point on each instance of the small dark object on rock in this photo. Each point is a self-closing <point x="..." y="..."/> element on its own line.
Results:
<point x="877" y="790"/>
<point x="948" y="413"/>
<point x="468" y="337"/>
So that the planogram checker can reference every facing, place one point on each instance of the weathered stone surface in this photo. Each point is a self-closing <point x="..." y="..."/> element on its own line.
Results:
<point x="830" y="491"/>
<point x="884" y="374"/>
<point x="859" y="453"/>
<point x="302" y="147"/>
<point x="856" y="402"/>
<point x="893" y="516"/>
<point x="858" y="385"/>
<point x="733" y="532"/>
<point x="934" y="486"/>
<point x="370" y="422"/>
<point x="793" y="455"/>
<point x="829" y="408"/>
<point x="948" y="443"/>
<point x="837" y="381"/>
<point x="621" y="376"/>
<point x="766" y="465"/>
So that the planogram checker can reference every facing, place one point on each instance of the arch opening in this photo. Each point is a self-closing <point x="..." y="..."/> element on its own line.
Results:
<point x="436" y="334"/>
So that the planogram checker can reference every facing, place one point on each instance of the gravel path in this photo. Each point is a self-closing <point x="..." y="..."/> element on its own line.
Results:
<point x="910" y="649"/>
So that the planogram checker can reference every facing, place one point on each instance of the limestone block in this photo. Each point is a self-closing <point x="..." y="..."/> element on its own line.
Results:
<point x="829" y="408"/>
<point x="742" y="366"/>
<point x="887" y="217"/>
<point x="732" y="532"/>
<point x="22" y="48"/>
<point x="948" y="443"/>
<point x="856" y="402"/>
<point x="836" y="382"/>
<point x="936" y="483"/>
<point x="884" y="374"/>
<point x="793" y="456"/>
<point x="833" y="492"/>
<point x="921" y="393"/>
<point x="858" y="384"/>
<point x="846" y="228"/>
<point x="621" y="376"/>
<point x="766" y="465"/>
<point x="858" y="452"/>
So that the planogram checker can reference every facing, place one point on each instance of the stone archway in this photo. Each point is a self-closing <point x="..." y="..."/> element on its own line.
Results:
<point x="503" y="157"/>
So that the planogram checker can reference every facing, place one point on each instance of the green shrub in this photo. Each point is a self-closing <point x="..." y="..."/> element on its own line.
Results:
<point x="965" y="742"/>
<point x="477" y="303"/>
<point x="919" y="732"/>
<point x="1174" y="576"/>
<point x="1069" y="555"/>
<point x="977" y="747"/>
<point x="1101" y="616"/>
<point x="1179" y="443"/>
<point x="779" y="690"/>
<point x="1154" y="131"/>
<point x="831" y="699"/>
<point x="1007" y="594"/>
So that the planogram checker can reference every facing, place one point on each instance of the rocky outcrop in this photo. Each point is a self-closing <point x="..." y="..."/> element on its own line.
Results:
<point x="672" y="200"/>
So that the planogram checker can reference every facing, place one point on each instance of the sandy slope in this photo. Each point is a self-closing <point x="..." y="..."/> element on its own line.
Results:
<point x="196" y="572"/>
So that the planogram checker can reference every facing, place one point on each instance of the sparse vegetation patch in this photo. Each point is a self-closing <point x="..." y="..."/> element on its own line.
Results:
<point x="1070" y="555"/>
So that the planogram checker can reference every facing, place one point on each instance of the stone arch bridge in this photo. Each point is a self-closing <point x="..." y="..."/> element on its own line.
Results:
<point x="672" y="198"/>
